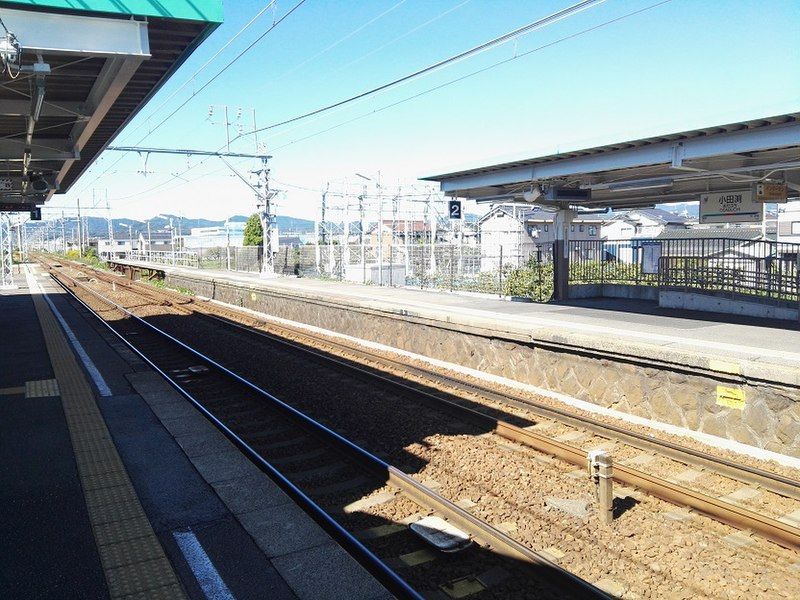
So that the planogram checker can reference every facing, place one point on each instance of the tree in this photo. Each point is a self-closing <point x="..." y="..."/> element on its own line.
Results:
<point x="253" y="233"/>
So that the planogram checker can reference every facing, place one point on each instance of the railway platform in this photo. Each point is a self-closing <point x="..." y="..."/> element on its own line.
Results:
<point x="113" y="486"/>
<point x="720" y="377"/>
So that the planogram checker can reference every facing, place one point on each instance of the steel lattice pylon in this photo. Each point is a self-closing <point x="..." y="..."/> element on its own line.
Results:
<point x="6" y="277"/>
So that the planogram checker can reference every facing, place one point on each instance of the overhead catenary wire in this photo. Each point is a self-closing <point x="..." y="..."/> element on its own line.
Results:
<point x="202" y="67"/>
<point x="340" y="40"/>
<point x="451" y="82"/>
<point x="207" y="83"/>
<point x="424" y="92"/>
<point x="539" y="23"/>
<point x="399" y="37"/>
<point x="227" y="66"/>
<point x="473" y="73"/>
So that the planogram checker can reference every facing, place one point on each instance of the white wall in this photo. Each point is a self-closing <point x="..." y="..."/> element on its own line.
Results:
<point x="789" y="223"/>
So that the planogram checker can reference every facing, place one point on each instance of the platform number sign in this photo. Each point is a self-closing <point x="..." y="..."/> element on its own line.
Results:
<point x="454" y="209"/>
<point x="36" y="214"/>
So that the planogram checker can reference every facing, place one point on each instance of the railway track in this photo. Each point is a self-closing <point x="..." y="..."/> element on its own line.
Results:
<point x="347" y="489"/>
<point x="400" y="374"/>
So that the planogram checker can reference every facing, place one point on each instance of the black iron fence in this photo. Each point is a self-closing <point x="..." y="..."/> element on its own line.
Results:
<point x="721" y="265"/>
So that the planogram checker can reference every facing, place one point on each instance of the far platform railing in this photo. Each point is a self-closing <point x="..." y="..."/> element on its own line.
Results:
<point x="735" y="267"/>
<point x="757" y="268"/>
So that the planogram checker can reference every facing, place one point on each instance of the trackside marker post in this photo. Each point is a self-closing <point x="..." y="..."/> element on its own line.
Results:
<point x="601" y="472"/>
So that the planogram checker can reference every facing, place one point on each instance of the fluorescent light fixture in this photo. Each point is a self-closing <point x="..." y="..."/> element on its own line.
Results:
<point x="495" y="198"/>
<point x="640" y="184"/>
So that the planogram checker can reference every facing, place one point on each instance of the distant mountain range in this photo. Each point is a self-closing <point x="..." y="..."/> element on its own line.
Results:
<point x="124" y="228"/>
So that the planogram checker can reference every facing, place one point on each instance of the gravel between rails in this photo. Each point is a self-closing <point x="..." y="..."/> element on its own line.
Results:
<point x="646" y="554"/>
<point x="507" y="578"/>
<point x="243" y="315"/>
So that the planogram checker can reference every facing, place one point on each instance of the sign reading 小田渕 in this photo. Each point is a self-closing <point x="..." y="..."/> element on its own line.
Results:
<point x="730" y="207"/>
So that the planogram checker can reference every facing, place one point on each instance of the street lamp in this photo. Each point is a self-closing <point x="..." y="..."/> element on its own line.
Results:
<point x="380" y="225"/>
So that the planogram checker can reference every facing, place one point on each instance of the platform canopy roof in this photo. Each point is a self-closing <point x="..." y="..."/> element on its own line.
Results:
<point x="675" y="167"/>
<point x="74" y="74"/>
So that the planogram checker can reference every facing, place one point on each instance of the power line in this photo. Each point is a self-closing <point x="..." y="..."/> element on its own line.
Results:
<point x="451" y="82"/>
<point x="557" y="16"/>
<point x="473" y="73"/>
<point x="206" y="84"/>
<point x="227" y="66"/>
<point x="342" y="39"/>
<point x="400" y="37"/>
<point x="201" y="68"/>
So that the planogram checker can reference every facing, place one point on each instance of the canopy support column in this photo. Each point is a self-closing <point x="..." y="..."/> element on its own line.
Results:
<point x="561" y="223"/>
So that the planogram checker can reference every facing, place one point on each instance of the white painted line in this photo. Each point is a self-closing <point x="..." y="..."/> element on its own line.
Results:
<point x="204" y="571"/>
<point x="705" y="438"/>
<point x="91" y="368"/>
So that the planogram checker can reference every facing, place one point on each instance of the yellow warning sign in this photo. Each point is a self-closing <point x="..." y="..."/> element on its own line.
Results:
<point x="730" y="397"/>
<point x="771" y="191"/>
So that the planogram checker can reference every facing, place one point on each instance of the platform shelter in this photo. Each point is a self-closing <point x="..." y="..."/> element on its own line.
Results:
<point x="738" y="165"/>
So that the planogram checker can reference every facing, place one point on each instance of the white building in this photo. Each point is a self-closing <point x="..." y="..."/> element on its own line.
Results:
<point x="115" y="248"/>
<point x="642" y="223"/>
<point x="229" y="234"/>
<point x="514" y="232"/>
<point x="789" y="222"/>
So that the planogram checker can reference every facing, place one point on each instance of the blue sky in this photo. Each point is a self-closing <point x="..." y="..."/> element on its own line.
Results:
<point x="680" y="65"/>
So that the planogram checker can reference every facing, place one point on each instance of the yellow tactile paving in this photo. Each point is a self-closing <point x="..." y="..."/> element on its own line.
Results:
<point x="43" y="388"/>
<point x="134" y="562"/>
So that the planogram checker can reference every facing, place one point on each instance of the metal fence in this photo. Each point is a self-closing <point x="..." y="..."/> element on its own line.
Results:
<point x="247" y="259"/>
<point x="720" y="265"/>
<point x="452" y="267"/>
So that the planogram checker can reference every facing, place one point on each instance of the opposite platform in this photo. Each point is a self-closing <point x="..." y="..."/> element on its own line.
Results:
<point x="737" y="379"/>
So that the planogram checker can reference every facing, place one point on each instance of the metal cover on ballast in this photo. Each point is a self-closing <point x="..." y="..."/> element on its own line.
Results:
<point x="441" y="534"/>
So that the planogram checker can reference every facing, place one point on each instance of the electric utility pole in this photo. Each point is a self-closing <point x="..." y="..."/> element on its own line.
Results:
<point x="80" y="231"/>
<point x="264" y="194"/>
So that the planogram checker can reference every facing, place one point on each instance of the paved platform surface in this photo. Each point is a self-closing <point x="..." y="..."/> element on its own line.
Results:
<point x="113" y="486"/>
<point x="626" y="327"/>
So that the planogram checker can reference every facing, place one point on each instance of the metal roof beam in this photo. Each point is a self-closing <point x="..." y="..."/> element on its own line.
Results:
<point x="22" y="108"/>
<point x="12" y="149"/>
<point x="49" y="33"/>
<point x="667" y="153"/>
<point x="115" y="75"/>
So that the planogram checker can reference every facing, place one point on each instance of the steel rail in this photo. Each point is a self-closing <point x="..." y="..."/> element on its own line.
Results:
<point x="773" y="482"/>
<point x="742" y="518"/>
<point x="739" y="517"/>
<point x="747" y="474"/>
<point x="365" y="557"/>
<point x="481" y="531"/>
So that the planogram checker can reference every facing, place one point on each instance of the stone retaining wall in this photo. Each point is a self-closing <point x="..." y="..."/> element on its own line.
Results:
<point x="667" y="393"/>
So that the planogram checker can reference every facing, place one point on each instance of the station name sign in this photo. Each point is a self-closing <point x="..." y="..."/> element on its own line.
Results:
<point x="730" y="207"/>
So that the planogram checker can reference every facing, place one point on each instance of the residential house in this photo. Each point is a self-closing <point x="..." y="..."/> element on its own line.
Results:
<point x="120" y="248"/>
<point x="643" y="223"/>
<point x="514" y="232"/>
<point x="416" y="231"/>
<point x="157" y="241"/>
